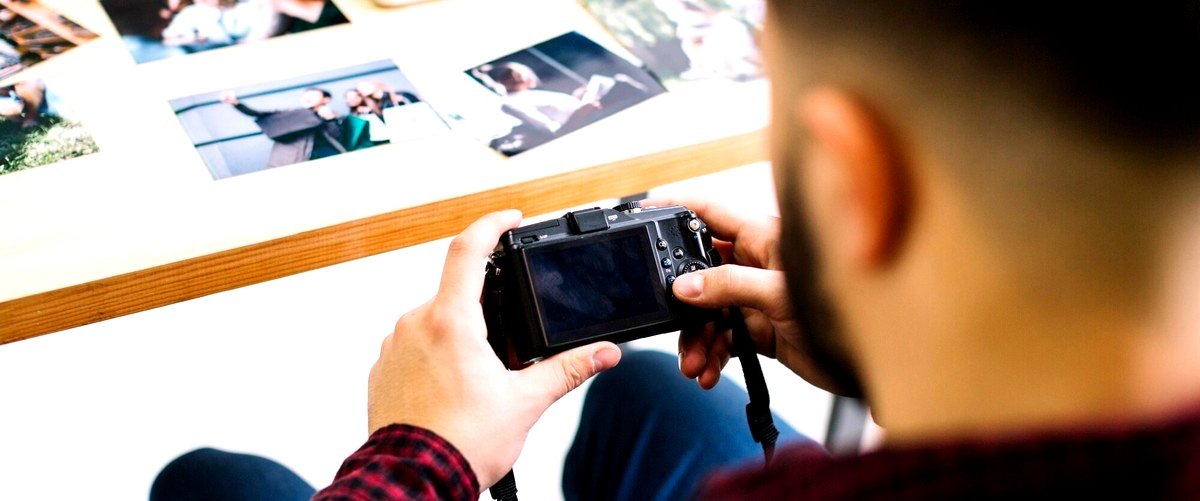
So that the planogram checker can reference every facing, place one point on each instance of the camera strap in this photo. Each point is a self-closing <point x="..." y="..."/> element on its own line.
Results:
<point x="758" y="410"/>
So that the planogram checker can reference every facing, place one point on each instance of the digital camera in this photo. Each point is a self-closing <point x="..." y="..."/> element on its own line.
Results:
<point x="592" y="275"/>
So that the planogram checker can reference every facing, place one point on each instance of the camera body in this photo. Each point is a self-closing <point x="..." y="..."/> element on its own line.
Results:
<point x="593" y="275"/>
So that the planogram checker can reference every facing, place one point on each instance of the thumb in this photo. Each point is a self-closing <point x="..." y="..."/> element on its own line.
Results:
<point x="554" y="377"/>
<point x="734" y="286"/>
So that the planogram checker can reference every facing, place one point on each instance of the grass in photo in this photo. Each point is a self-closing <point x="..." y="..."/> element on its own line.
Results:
<point x="36" y="128"/>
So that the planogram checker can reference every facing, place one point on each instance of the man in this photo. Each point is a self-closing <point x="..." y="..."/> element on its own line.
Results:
<point x="26" y="102"/>
<point x="988" y="230"/>
<point x="300" y="134"/>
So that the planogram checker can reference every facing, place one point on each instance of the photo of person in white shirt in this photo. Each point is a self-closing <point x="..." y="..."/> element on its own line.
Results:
<point x="556" y="87"/>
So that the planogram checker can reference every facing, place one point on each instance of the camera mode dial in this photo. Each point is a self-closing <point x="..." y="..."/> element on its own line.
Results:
<point x="691" y="265"/>
<point x="629" y="207"/>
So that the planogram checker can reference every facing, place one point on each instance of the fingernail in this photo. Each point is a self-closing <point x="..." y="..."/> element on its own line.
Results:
<point x="606" y="358"/>
<point x="689" y="286"/>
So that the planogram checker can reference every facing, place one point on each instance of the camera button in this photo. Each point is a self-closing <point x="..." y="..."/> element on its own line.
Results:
<point x="678" y="253"/>
<point x="529" y="239"/>
<point x="666" y="262"/>
<point x="694" y="224"/>
<point x="662" y="244"/>
<point x="670" y="280"/>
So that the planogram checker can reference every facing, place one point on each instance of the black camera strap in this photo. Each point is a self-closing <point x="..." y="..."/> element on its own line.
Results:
<point x="758" y="410"/>
<point x="505" y="489"/>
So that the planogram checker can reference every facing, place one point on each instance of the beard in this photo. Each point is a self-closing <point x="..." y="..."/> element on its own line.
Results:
<point x="823" y="338"/>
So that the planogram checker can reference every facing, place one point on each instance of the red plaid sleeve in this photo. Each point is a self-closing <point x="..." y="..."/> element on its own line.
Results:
<point x="403" y="462"/>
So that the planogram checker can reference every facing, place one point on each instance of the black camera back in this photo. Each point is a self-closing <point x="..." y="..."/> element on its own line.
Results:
<point x="593" y="275"/>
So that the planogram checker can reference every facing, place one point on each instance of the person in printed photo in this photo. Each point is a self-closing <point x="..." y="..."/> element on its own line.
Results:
<point x="309" y="132"/>
<point x="26" y="102"/>
<point x="717" y="43"/>
<point x="209" y="24"/>
<point x="545" y="110"/>
<point x="361" y="128"/>
<point x="161" y="29"/>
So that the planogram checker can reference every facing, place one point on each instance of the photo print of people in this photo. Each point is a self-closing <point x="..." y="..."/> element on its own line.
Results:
<point x="160" y="29"/>
<point x="557" y="87"/>
<point x="314" y="116"/>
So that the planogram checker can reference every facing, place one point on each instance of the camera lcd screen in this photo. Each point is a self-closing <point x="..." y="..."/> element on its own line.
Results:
<point x="590" y="287"/>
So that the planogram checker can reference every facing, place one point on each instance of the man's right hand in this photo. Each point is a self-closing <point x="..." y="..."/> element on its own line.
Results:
<point x="228" y="97"/>
<point x="752" y="279"/>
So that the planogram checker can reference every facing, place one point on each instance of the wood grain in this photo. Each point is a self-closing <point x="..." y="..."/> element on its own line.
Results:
<point x="128" y="293"/>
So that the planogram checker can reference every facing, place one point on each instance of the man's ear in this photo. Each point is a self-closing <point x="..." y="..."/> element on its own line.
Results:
<point x="859" y="176"/>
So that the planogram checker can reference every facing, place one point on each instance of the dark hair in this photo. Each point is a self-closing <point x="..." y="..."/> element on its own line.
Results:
<point x="1124" y="70"/>
<point x="322" y="91"/>
<point x="503" y="72"/>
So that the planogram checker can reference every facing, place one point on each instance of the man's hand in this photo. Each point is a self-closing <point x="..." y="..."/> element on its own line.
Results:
<point x="751" y="279"/>
<point x="438" y="372"/>
<point x="228" y="97"/>
<point x="326" y="113"/>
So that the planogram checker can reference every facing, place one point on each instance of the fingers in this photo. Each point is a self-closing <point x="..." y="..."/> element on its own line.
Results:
<point x="463" y="274"/>
<point x="732" y="285"/>
<point x="703" y="353"/>
<point x="554" y="377"/>
<point x="724" y="222"/>
<point x="693" y="350"/>
<point x="757" y="322"/>
<point x="718" y="356"/>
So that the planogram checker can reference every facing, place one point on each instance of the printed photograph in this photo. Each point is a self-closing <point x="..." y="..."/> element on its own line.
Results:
<point x="159" y="29"/>
<point x="688" y="40"/>
<point x="31" y="33"/>
<point x="557" y="87"/>
<point x="239" y="131"/>
<point x="37" y="128"/>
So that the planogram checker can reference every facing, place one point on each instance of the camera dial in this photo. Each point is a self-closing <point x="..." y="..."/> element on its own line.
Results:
<point x="690" y="266"/>
<point x="629" y="207"/>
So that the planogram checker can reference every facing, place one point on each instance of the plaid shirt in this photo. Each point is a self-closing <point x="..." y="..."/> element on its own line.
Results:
<point x="1161" y="461"/>
<point x="1153" y="462"/>
<point x="403" y="462"/>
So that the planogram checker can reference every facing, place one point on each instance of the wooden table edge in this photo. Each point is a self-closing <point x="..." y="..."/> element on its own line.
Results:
<point x="120" y="295"/>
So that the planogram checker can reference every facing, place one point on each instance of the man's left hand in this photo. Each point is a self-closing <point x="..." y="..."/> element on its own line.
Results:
<point x="437" y="370"/>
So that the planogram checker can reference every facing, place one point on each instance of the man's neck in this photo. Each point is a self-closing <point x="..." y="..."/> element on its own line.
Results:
<point x="1028" y="367"/>
<point x="1063" y="380"/>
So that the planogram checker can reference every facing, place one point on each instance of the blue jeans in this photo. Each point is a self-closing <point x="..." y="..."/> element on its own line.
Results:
<point x="649" y="433"/>
<point x="210" y="474"/>
<point x="646" y="433"/>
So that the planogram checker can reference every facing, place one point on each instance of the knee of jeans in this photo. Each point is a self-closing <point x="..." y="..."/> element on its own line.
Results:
<point x="199" y="456"/>
<point x="177" y="476"/>
<point x="204" y="459"/>
<point x="637" y="367"/>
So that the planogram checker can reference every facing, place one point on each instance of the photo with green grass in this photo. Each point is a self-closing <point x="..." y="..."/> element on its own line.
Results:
<point x="36" y="129"/>
<point x="685" y="41"/>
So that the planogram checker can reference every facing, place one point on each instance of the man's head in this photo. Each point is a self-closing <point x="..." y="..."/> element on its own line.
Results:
<point x="313" y="98"/>
<point x="515" y="77"/>
<point x="956" y="175"/>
